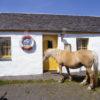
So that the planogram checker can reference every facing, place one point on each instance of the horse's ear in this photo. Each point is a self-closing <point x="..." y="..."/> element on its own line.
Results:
<point x="43" y="53"/>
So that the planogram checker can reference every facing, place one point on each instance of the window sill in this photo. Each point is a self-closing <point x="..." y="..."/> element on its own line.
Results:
<point x="5" y="59"/>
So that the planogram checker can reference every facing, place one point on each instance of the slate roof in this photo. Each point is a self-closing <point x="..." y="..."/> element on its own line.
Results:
<point x="45" y="22"/>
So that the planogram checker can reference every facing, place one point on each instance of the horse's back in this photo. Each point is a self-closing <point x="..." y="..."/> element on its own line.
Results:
<point x="85" y="56"/>
<point x="85" y="52"/>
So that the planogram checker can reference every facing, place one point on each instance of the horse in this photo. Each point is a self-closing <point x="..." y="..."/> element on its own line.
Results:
<point x="74" y="60"/>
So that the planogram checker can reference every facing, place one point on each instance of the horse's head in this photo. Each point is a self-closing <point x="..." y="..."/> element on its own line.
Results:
<point x="48" y="53"/>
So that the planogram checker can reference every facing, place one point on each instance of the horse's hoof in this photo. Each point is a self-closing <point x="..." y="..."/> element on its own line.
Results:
<point x="83" y="82"/>
<point x="70" y="79"/>
<point x="89" y="88"/>
<point x="61" y="80"/>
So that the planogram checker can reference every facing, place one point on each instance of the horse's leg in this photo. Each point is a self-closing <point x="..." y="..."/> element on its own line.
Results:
<point x="60" y="72"/>
<point x="85" y="81"/>
<point x="60" y="69"/>
<point x="69" y="75"/>
<point x="92" y="79"/>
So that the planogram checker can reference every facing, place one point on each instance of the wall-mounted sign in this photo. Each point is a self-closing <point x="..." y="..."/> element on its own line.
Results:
<point x="27" y="42"/>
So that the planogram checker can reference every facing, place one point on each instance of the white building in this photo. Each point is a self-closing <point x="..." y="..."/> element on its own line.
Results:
<point x="82" y="32"/>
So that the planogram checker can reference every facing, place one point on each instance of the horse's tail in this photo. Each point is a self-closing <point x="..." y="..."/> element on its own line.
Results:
<point x="95" y="67"/>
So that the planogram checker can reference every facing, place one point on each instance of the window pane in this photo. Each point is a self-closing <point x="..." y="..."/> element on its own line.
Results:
<point x="5" y="48"/>
<point x="50" y="45"/>
<point x="82" y="43"/>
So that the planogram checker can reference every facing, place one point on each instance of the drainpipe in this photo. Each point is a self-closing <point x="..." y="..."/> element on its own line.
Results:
<point x="67" y="46"/>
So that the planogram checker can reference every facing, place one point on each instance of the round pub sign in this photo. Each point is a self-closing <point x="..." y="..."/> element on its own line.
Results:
<point x="27" y="43"/>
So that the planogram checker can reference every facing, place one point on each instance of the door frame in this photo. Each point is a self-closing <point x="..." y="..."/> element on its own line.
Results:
<point x="54" y="46"/>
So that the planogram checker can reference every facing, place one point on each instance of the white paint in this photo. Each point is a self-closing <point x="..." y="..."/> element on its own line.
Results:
<point x="22" y="63"/>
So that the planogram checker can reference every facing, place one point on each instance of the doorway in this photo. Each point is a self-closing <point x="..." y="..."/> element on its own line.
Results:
<point x="50" y="41"/>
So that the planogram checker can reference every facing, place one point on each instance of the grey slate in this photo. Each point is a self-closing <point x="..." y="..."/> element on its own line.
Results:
<point x="45" y="22"/>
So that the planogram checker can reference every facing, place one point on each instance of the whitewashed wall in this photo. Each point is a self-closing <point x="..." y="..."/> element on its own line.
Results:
<point x="94" y="44"/>
<point x="22" y="63"/>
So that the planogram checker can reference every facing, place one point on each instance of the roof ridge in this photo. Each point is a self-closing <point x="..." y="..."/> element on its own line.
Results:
<point x="49" y="14"/>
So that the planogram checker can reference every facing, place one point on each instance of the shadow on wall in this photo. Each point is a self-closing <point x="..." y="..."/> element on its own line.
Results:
<point x="32" y="50"/>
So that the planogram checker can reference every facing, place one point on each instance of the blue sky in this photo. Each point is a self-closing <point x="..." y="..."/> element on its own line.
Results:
<point x="67" y="7"/>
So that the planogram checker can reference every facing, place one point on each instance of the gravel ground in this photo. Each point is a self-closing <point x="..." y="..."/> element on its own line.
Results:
<point x="49" y="91"/>
<point x="52" y="90"/>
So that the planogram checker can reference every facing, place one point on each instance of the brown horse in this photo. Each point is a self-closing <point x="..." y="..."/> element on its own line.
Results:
<point x="77" y="59"/>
